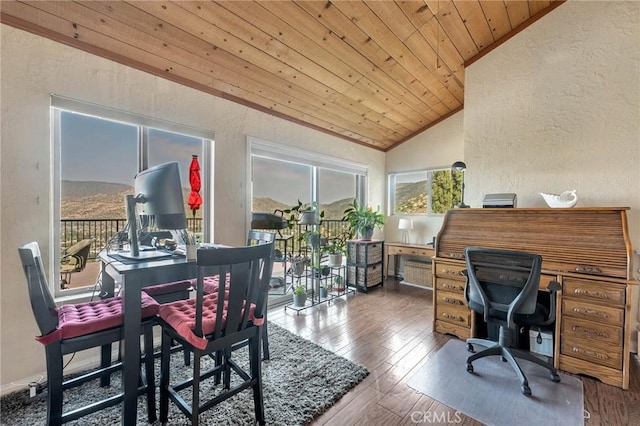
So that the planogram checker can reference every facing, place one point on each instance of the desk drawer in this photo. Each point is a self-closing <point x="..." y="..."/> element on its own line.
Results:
<point x="594" y="290"/>
<point x="607" y="355"/>
<point x="446" y="284"/>
<point x="448" y="270"/>
<point x="589" y="311"/>
<point x="450" y="307"/>
<point x="581" y="330"/>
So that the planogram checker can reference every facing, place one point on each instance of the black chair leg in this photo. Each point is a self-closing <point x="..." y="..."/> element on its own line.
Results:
<point x="54" y="384"/>
<point x="165" y="359"/>
<point x="195" y="400"/>
<point x="149" y="373"/>
<point x="187" y="357"/>
<point x="105" y="361"/>
<point x="256" y="375"/>
<point x="265" y="342"/>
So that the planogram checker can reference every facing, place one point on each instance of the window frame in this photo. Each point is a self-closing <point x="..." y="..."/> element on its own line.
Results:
<point x="58" y="104"/>
<point x="280" y="152"/>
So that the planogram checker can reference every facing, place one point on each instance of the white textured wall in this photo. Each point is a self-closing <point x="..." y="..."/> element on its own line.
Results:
<point x="557" y="107"/>
<point x="33" y="68"/>
<point x="439" y="146"/>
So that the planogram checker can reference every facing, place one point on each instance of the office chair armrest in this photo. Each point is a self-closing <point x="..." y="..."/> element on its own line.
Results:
<point x="483" y="296"/>
<point x="553" y="287"/>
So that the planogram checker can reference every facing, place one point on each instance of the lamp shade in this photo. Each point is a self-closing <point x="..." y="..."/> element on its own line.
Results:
<point x="458" y="166"/>
<point x="405" y="224"/>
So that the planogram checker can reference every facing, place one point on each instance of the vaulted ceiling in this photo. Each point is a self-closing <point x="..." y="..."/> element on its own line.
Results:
<point x="374" y="72"/>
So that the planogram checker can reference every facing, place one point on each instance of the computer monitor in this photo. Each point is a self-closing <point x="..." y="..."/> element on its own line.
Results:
<point x="158" y="199"/>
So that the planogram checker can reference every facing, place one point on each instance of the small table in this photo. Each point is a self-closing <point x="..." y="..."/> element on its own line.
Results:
<point x="396" y="249"/>
<point x="136" y="275"/>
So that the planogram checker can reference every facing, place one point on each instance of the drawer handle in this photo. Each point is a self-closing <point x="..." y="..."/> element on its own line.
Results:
<point x="453" y="317"/>
<point x="591" y="313"/>
<point x="452" y="301"/>
<point x="452" y="287"/>
<point x="456" y="255"/>
<point x="598" y="294"/>
<point x="590" y="331"/>
<point x="592" y="354"/>
<point x="452" y="272"/>
<point x="588" y="269"/>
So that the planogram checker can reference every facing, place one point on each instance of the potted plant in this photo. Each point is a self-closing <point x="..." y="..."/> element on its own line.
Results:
<point x="363" y="220"/>
<point x="298" y="265"/>
<point x="325" y="288"/>
<point x="338" y="283"/>
<point x="305" y="214"/>
<point x="299" y="296"/>
<point x="335" y="248"/>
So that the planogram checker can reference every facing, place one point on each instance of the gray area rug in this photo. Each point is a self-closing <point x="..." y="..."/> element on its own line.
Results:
<point x="300" y="381"/>
<point x="492" y="393"/>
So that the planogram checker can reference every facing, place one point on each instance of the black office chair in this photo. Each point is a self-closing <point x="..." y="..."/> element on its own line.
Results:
<point x="215" y="323"/>
<point x="503" y="286"/>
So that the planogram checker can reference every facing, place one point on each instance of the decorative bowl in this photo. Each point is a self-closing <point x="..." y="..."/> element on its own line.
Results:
<point x="564" y="200"/>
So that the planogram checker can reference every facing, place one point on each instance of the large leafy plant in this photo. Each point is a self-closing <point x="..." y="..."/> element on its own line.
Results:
<point x="363" y="219"/>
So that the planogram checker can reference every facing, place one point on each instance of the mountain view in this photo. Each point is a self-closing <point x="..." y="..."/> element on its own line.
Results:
<point x="98" y="200"/>
<point x="103" y="200"/>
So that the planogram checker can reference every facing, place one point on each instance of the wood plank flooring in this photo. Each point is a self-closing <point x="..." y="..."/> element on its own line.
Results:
<point x="389" y="331"/>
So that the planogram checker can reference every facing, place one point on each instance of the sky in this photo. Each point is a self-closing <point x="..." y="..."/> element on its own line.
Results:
<point x="95" y="149"/>
<point x="106" y="151"/>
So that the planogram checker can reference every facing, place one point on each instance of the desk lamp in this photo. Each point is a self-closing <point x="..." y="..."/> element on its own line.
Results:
<point x="459" y="166"/>
<point x="405" y="225"/>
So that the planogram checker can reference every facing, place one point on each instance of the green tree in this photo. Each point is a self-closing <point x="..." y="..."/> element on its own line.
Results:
<point x="446" y="190"/>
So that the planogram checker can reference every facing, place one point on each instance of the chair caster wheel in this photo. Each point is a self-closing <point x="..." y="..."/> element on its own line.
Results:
<point x="526" y="390"/>
<point x="470" y="347"/>
<point x="470" y="368"/>
<point x="555" y="378"/>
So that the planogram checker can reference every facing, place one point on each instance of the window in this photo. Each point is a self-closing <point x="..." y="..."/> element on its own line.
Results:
<point x="99" y="151"/>
<point x="425" y="191"/>
<point x="281" y="175"/>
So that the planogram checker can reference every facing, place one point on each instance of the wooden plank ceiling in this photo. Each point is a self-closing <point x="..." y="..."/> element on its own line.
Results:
<point x="374" y="72"/>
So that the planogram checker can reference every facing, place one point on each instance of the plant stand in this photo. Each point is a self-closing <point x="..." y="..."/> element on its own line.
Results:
<point x="315" y="298"/>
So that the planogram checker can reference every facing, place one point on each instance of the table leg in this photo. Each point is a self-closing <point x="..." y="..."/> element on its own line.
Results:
<point x="132" y="313"/>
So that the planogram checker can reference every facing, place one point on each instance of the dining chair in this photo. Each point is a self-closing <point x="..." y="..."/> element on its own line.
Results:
<point x="72" y="328"/>
<point x="211" y="284"/>
<point x="211" y="324"/>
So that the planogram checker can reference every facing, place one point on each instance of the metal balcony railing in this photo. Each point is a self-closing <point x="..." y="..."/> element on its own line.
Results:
<point x="102" y="230"/>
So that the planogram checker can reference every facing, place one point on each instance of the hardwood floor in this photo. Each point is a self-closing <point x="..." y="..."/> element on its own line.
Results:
<point x="389" y="331"/>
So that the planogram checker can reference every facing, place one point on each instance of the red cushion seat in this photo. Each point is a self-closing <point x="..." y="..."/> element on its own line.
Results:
<point x="80" y="319"/>
<point x="180" y="315"/>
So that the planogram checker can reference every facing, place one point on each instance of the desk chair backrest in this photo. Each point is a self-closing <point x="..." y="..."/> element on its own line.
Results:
<point x="502" y="281"/>
<point x="247" y="270"/>
<point x="42" y="303"/>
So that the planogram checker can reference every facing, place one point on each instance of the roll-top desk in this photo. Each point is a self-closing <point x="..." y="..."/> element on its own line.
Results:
<point x="587" y="250"/>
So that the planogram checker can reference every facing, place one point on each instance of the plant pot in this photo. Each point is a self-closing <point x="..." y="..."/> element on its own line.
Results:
<point x="366" y="234"/>
<point x="299" y="300"/>
<point x="335" y="259"/>
<point x="298" y="268"/>
<point x="324" y="270"/>
<point x="323" y="292"/>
